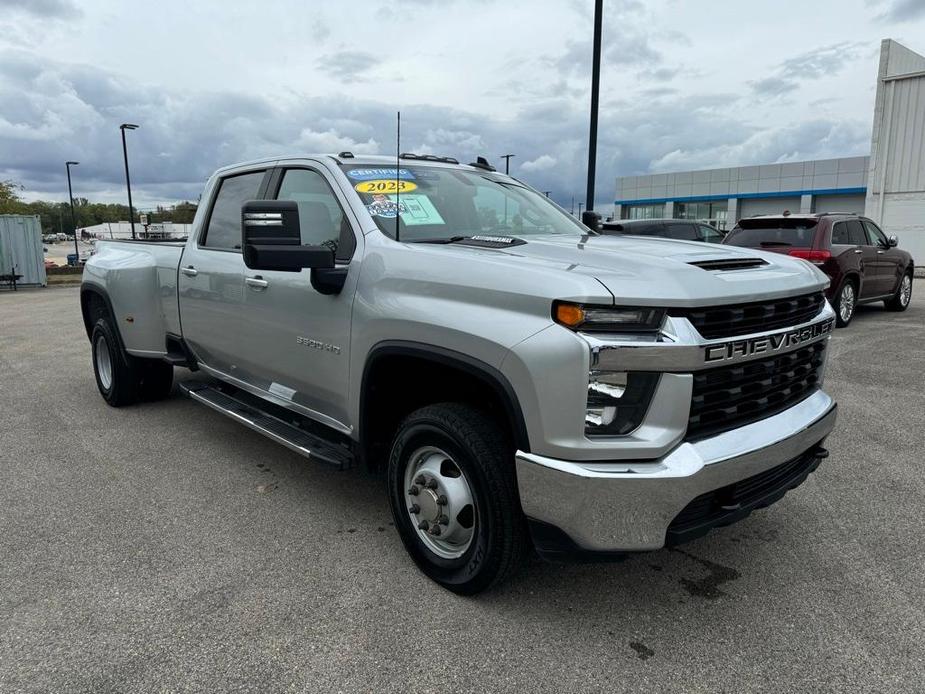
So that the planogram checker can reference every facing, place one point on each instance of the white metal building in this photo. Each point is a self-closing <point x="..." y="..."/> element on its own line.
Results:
<point x="896" y="190"/>
<point x="850" y="184"/>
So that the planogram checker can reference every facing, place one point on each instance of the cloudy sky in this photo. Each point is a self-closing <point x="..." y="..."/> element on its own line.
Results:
<point x="685" y="85"/>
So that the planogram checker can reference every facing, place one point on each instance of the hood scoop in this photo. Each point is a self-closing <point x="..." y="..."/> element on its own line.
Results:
<point x="729" y="263"/>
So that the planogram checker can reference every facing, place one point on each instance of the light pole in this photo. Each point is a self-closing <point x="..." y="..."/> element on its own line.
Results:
<point x="507" y="162"/>
<point x="70" y="197"/>
<point x="595" y="95"/>
<point x="128" y="182"/>
<point x="580" y="205"/>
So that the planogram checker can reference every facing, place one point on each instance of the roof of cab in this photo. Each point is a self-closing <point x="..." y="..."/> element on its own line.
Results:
<point x="355" y="159"/>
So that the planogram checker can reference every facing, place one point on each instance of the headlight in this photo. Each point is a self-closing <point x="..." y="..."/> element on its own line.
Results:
<point x="617" y="401"/>
<point x="609" y="319"/>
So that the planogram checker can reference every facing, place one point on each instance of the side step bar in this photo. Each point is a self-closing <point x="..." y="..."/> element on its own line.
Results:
<point x="292" y="437"/>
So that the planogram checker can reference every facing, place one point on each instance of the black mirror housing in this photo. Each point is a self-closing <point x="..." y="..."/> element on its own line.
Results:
<point x="592" y="220"/>
<point x="272" y="239"/>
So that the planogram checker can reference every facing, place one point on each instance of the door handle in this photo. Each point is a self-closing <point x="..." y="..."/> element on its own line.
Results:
<point x="858" y="251"/>
<point x="256" y="282"/>
<point x="189" y="271"/>
<point x="879" y="252"/>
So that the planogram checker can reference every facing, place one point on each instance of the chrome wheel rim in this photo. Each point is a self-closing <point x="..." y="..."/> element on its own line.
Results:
<point x="439" y="502"/>
<point x="905" y="290"/>
<point x="103" y="362"/>
<point x="846" y="304"/>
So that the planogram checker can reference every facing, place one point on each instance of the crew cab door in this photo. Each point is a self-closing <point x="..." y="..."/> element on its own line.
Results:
<point x="295" y="340"/>
<point x="211" y="275"/>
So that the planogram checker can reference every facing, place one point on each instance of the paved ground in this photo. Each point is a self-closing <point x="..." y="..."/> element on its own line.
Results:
<point x="163" y="547"/>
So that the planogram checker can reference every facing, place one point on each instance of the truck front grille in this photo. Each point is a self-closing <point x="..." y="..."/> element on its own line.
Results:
<point x="760" y="316"/>
<point x="729" y="397"/>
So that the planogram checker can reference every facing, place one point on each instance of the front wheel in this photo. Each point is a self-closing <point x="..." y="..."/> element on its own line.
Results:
<point x="453" y="493"/>
<point x="902" y="297"/>
<point x="845" y="303"/>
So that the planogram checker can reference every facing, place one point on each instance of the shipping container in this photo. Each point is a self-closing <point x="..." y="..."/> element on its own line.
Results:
<point x="21" y="248"/>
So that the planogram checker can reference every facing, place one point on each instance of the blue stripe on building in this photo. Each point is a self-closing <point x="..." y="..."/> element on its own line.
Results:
<point x="744" y="196"/>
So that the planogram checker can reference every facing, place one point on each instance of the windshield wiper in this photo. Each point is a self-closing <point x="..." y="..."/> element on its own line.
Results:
<point x="451" y="239"/>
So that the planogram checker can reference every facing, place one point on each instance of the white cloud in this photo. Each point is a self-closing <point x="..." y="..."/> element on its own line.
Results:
<point x="329" y="78"/>
<point x="541" y="163"/>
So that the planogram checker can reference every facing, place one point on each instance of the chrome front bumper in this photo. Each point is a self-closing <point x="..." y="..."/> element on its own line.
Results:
<point x="628" y="505"/>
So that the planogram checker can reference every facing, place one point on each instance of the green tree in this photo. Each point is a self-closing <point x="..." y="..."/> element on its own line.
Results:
<point x="56" y="216"/>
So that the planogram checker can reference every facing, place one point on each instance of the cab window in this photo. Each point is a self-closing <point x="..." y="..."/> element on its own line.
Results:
<point x="840" y="234"/>
<point x="877" y="237"/>
<point x="680" y="232"/>
<point x="856" y="236"/>
<point x="224" y="228"/>
<point x="709" y="234"/>
<point x="321" y="219"/>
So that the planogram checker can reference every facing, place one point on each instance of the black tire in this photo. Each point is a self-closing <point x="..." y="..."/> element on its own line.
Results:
<point x="116" y="372"/>
<point x="156" y="379"/>
<point x="847" y="293"/>
<point x="902" y="298"/>
<point x="485" y="460"/>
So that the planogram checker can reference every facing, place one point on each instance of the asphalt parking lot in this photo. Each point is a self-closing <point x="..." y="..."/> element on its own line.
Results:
<point x="165" y="548"/>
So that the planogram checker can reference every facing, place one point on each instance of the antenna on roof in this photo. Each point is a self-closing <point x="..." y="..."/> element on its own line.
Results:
<point x="397" y="176"/>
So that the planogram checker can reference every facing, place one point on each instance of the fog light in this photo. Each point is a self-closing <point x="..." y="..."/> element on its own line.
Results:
<point x="617" y="401"/>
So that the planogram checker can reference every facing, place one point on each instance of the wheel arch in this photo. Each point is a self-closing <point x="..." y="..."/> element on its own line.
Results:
<point x="855" y="277"/>
<point x="95" y="304"/>
<point x="389" y="363"/>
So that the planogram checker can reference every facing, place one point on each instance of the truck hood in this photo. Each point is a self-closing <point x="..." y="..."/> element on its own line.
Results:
<point x="655" y="271"/>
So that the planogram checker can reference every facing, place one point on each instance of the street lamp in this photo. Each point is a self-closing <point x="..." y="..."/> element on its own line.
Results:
<point x="595" y="93"/>
<point x="507" y="162"/>
<point x="70" y="197"/>
<point x="128" y="182"/>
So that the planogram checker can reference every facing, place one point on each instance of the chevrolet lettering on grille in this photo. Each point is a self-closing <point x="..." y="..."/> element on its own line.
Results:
<point x="766" y="344"/>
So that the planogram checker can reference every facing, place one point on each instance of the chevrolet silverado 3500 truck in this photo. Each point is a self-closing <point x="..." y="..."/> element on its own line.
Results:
<point x="522" y="381"/>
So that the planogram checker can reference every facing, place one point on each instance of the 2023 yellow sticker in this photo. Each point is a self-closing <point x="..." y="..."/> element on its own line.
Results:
<point x="385" y="186"/>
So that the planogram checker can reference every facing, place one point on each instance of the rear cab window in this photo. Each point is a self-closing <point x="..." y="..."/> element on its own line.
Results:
<point x="223" y="231"/>
<point x="773" y="233"/>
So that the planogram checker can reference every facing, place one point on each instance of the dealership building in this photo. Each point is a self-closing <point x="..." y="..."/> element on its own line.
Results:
<point x="888" y="186"/>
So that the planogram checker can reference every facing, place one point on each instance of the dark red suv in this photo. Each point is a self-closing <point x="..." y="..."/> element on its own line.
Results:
<point x="864" y="264"/>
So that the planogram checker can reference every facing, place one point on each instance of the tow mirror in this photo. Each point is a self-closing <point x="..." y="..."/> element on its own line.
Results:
<point x="892" y="242"/>
<point x="592" y="220"/>
<point x="272" y="239"/>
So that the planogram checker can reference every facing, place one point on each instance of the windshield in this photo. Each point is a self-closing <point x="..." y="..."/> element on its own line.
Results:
<point x="440" y="204"/>
<point x="773" y="233"/>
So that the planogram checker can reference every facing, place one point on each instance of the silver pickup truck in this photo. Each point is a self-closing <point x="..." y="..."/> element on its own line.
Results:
<point x="521" y="381"/>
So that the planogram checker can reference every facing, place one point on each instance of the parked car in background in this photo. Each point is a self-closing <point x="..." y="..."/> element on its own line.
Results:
<point x="677" y="229"/>
<point x="863" y="263"/>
